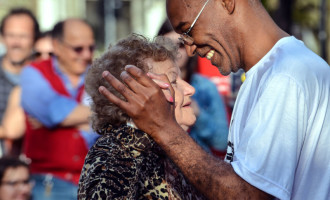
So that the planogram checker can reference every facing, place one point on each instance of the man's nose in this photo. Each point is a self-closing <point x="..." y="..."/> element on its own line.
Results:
<point x="87" y="53"/>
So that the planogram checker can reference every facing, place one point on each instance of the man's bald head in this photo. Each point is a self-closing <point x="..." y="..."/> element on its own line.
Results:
<point x="60" y="28"/>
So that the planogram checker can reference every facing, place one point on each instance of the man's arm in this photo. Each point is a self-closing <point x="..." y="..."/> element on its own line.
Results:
<point x="13" y="121"/>
<point x="78" y="117"/>
<point x="50" y="108"/>
<point x="147" y="106"/>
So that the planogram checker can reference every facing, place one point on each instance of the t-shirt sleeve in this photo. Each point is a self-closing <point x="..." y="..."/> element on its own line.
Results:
<point x="267" y="153"/>
<point x="41" y="101"/>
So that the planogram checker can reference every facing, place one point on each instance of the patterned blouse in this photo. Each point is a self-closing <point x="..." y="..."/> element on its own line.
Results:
<point x="125" y="163"/>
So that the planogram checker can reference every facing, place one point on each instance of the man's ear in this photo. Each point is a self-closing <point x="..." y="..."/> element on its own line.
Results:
<point x="56" y="45"/>
<point x="229" y="5"/>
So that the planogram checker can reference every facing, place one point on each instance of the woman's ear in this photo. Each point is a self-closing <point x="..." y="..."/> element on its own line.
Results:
<point x="229" y="5"/>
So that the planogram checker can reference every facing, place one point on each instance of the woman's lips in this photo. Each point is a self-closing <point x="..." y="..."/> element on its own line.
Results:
<point x="187" y="104"/>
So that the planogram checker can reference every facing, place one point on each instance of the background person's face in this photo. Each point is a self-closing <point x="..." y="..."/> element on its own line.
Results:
<point x="18" y="37"/>
<point x="184" y="113"/>
<point x="44" y="46"/>
<point x="17" y="190"/>
<point x="76" y="34"/>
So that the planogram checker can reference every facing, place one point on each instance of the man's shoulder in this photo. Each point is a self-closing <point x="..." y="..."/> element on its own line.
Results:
<point x="293" y="54"/>
<point x="293" y="59"/>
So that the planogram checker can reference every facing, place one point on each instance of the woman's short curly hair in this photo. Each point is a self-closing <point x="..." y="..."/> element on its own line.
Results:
<point x="133" y="50"/>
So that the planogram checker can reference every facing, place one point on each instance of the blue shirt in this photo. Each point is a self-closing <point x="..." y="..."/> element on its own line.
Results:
<point x="42" y="102"/>
<point x="211" y="127"/>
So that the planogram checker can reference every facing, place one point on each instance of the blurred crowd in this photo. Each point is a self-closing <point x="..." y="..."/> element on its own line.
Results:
<point x="45" y="132"/>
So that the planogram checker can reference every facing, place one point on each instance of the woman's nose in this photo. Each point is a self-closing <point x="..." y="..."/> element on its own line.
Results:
<point x="191" y="50"/>
<point x="189" y="90"/>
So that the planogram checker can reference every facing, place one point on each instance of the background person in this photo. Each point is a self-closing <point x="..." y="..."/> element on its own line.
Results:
<point x="52" y="93"/>
<point x="13" y="122"/>
<point x="125" y="163"/>
<point x="15" y="183"/>
<point x="43" y="47"/>
<point x="278" y="139"/>
<point x="19" y="30"/>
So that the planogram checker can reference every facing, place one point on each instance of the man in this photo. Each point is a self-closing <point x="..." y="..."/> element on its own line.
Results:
<point x="19" y="30"/>
<point x="15" y="182"/>
<point x="279" y="133"/>
<point x="53" y="93"/>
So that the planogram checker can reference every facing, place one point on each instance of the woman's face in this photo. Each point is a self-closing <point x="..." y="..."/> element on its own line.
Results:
<point x="184" y="113"/>
<point x="44" y="47"/>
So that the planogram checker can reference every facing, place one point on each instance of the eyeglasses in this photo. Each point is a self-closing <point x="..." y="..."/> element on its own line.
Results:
<point x="16" y="184"/>
<point x="184" y="37"/>
<point x="79" y="49"/>
<point x="38" y="54"/>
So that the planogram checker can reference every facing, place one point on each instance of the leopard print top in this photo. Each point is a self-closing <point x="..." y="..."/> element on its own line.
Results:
<point x="125" y="163"/>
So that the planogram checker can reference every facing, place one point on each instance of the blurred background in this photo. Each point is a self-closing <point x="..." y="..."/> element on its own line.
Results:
<point x="308" y="20"/>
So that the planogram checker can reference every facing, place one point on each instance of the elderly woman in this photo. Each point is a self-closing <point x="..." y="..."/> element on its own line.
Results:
<point x="125" y="163"/>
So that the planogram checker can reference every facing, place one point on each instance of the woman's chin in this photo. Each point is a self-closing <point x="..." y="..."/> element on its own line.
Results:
<point x="184" y="127"/>
<point x="187" y="125"/>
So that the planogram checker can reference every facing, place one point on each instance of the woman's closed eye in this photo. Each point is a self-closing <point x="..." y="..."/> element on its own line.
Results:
<point x="173" y="82"/>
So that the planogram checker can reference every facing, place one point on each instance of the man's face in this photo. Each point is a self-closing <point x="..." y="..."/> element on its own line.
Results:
<point x="15" y="184"/>
<point x="18" y="37"/>
<point x="75" y="50"/>
<point x="212" y="34"/>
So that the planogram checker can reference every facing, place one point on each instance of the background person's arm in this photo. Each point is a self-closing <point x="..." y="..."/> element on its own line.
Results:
<point x="13" y="122"/>
<point x="78" y="117"/>
<point x="151" y="112"/>
<point x="46" y="105"/>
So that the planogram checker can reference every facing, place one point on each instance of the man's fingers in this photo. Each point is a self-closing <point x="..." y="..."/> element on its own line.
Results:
<point x="131" y="82"/>
<point x="119" y="86"/>
<point x="168" y="95"/>
<point x="139" y="75"/>
<point x="166" y="90"/>
<point x="162" y="79"/>
<point x="113" y="98"/>
<point x="161" y="84"/>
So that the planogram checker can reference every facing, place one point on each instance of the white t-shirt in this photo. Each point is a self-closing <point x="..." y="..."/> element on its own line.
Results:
<point x="279" y="138"/>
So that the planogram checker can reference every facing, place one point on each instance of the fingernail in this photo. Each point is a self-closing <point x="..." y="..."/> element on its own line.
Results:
<point x="105" y="73"/>
<point x="171" y="99"/>
<point x="127" y="66"/>
<point x="166" y="85"/>
<point x="101" y="88"/>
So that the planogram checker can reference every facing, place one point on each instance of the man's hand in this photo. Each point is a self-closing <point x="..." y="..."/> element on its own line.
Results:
<point x="145" y="102"/>
<point x="151" y="112"/>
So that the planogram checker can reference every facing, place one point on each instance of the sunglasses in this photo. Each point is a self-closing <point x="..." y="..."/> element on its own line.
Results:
<point x="15" y="184"/>
<point x="38" y="54"/>
<point x="79" y="49"/>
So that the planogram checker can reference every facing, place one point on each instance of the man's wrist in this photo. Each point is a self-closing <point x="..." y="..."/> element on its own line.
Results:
<point x="164" y="136"/>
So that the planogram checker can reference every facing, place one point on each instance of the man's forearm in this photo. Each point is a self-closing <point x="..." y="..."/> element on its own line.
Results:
<point x="78" y="116"/>
<point x="215" y="178"/>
